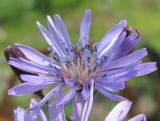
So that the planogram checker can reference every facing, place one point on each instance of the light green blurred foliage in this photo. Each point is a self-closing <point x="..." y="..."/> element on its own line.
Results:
<point x="11" y="8"/>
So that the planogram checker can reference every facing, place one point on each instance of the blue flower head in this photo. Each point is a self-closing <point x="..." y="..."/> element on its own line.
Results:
<point x="104" y="66"/>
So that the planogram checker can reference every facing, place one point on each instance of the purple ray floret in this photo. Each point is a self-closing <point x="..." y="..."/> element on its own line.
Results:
<point x="120" y="111"/>
<point x="103" y="66"/>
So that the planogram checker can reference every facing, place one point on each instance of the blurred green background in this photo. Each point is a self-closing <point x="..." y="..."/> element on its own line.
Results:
<point x="17" y="25"/>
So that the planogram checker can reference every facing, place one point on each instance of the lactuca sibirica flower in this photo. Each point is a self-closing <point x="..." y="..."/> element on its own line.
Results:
<point x="104" y="66"/>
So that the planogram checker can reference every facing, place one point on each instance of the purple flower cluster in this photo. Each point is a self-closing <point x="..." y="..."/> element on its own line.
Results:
<point x="82" y="68"/>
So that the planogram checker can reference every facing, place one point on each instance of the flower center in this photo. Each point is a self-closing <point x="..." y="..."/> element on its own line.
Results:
<point x="82" y="67"/>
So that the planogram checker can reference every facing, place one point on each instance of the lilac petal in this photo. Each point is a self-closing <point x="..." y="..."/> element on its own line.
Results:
<point x="145" y="68"/>
<point x="57" y="112"/>
<point x="85" y="28"/>
<point x="116" y="45"/>
<point x="118" y="82"/>
<point x="59" y="118"/>
<point x="68" y="96"/>
<point x="127" y="60"/>
<point x="126" y="77"/>
<point x="41" y="113"/>
<point x="88" y="104"/>
<point x="62" y="31"/>
<point x="78" y="105"/>
<point x="119" y="111"/>
<point x="33" y="102"/>
<point x="69" y="82"/>
<point x="111" y="86"/>
<point x="60" y="109"/>
<point x="55" y="38"/>
<point x="32" y="115"/>
<point x="126" y="47"/>
<point x="46" y="98"/>
<point x="48" y="38"/>
<point x="52" y="112"/>
<point x="140" y="117"/>
<point x="115" y="73"/>
<point x="45" y="34"/>
<point x="110" y="38"/>
<point x="30" y="66"/>
<point x="107" y="94"/>
<point x="19" y="114"/>
<point x="36" y="56"/>
<point x="39" y="79"/>
<point x="85" y="91"/>
<point x="139" y="70"/>
<point x="26" y="88"/>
